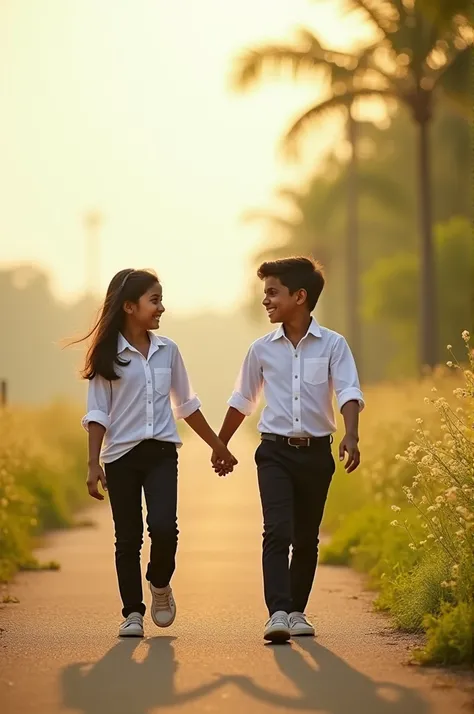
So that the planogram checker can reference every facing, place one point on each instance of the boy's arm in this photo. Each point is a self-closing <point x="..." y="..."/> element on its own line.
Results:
<point x="350" y="400"/>
<point x="232" y="420"/>
<point x="350" y="412"/>
<point x="244" y="398"/>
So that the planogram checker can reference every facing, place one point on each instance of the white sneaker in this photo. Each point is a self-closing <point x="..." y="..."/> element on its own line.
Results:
<point x="132" y="626"/>
<point x="300" y="625"/>
<point x="277" y="628"/>
<point x="163" y="606"/>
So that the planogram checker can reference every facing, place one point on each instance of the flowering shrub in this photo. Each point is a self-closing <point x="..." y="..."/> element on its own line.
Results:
<point x="423" y="564"/>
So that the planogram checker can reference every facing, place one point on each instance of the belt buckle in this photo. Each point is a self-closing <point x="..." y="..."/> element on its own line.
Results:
<point x="300" y="438"/>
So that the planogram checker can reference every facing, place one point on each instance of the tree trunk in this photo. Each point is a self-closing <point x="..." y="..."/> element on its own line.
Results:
<point x="352" y="247"/>
<point x="428" y="327"/>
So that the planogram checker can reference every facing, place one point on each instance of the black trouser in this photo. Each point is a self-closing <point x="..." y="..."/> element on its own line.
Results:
<point x="293" y="487"/>
<point x="153" y="467"/>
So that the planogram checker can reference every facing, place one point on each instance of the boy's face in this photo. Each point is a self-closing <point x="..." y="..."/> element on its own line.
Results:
<point x="279" y="304"/>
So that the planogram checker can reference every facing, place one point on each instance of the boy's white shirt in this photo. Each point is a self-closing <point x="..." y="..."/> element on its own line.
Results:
<point x="298" y="384"/>
<point x="140" y="404"/>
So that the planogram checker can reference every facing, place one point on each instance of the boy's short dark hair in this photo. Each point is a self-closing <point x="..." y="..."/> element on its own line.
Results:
<point x="296" y="273"/>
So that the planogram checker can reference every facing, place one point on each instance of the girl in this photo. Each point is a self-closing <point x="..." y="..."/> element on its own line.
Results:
<point x="132" y="374"/>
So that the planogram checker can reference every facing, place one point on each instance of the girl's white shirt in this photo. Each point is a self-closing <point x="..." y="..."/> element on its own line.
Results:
<point x="141" y="403"/>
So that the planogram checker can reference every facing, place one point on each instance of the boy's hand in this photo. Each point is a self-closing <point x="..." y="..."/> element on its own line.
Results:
<point x="96" y="474"/>
<point x="349" y="445"/>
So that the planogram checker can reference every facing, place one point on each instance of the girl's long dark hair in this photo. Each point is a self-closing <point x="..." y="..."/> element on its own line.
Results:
<point x="126" y="286"/>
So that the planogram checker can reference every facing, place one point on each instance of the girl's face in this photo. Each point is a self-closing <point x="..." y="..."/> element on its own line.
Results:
<point x="146" y="313"/>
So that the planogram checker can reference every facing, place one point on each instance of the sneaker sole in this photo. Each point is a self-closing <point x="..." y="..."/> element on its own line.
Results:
<point x="161" y="624"/>
<point x="296" y="633"/>
<point x="277" y="636"/>
<point x="132" y="634"/>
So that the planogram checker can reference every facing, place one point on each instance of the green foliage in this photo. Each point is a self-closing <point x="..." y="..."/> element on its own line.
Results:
<point x="391" y="291"/>
<point x="42" y="480"/>
<point x="449" y="635"/>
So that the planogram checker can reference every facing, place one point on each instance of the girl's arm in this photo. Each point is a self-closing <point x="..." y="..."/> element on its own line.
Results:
<point x="187" y="406"/>
<point x="198" y="423"/>
<point x="95" y="470"/>
<point x="96" y="422"/>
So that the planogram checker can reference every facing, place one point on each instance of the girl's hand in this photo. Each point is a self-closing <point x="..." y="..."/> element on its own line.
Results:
<point x="222" y="460"/>
<point x="96" y="474"/>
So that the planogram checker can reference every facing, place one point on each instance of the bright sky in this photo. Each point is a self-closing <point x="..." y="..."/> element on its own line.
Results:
<point x="124" y="105"/>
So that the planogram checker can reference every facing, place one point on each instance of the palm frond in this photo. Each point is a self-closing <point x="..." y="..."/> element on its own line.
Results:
<point x="254" y="216"/>
<point x="270" y="60"/>
<point x="306" y="57"/>
<point x="335" y="104"/>
<point x="379" y="12"/>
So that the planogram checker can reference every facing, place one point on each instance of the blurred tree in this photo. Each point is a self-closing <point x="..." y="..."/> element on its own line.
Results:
<point x="311" y="226"/>
<point x="335" y="70"/>
<point x="308" y="219"/>
<point x="415" y="54"/>
<point x="391" y="289"/>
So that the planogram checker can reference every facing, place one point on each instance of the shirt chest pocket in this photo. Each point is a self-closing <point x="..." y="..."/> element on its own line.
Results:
<point x="316" y="370"/>
<point x="162" y="380"/>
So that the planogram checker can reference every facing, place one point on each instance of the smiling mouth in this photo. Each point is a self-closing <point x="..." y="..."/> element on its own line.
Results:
<point x="270" y="310"/>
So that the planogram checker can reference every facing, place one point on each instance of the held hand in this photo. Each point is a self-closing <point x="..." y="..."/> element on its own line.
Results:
<point x="222" y="460"/>
<point x="349" y="445"/>
<point x="96" y="474"/>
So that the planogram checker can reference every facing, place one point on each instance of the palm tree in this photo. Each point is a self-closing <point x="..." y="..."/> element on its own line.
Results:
<point x="336" y="69"/>
<point x="314" y="208"/>
<point x="416" y="53"/>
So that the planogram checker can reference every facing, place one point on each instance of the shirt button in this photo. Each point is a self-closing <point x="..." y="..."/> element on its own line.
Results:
<point x="296" y="419"/>
<point x="149" y="402"/>
<point x="296" y="399"/>
<point x="296" y="376"/>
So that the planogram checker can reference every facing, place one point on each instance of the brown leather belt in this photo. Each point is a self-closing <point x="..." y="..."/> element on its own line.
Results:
<point x="297" y="442"/>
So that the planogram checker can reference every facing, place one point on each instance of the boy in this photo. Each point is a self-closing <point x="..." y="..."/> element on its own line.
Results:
<point x="299" y="366"/>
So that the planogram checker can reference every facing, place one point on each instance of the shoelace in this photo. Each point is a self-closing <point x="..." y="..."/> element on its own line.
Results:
<point x="133" y="620"/>
<point x="162" y="601"/>
<point x="278" y="620"/>
<point x="298" y="619"/>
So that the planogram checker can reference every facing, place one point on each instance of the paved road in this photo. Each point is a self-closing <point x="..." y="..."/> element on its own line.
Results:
<point x="59" y="651"/>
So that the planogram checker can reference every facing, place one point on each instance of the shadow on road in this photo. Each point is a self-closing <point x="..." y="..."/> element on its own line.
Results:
<point x="332" y="687"/>
<point x="120" y="684"/>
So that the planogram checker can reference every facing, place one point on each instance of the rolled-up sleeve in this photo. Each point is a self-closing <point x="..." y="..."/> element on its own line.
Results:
<point x="344" y="375"/>
<point x="98" y="403"/>
<point x="248" y="386"/>
<point x="184" y="401"/>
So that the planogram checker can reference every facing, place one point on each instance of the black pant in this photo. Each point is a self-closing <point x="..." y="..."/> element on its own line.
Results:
<point x="153" y="467"/>
<point x="293" y="487"/>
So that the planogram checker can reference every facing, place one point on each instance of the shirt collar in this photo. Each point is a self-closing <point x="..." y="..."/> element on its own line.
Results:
<point x="123" y="344"/>
<point x="313" y="329"/>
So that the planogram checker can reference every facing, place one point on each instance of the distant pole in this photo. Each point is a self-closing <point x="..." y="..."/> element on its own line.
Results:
<point x="3" y="393"/>
<point x="93" y="221"/>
